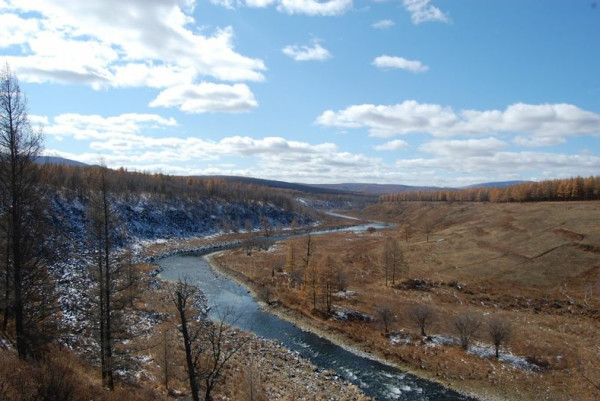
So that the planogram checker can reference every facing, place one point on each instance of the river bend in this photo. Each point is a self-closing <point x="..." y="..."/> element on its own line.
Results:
<point x="375" y="379"/>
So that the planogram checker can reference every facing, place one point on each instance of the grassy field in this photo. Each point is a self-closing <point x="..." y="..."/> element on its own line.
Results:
<point x="536" y="265"/>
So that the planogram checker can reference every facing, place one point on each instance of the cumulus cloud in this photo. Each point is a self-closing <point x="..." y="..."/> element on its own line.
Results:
<point x="207" y="97"/>
<point x="421" y="11"/>
<point x="142" y="142"/>
<point x="396" y="144"/>
<point x="305" y="7"/>
<point x="389" y="62"/>
<point x="115" y="43"/>
<point x="316" y="52"/>
<point x="314" y="7"/>
<point x="544" y="121"/>
<point x="383" y="24"/>
<point x="86" y="127"/>
<point x="499" y="164"/>
<point x="464" y="148"/>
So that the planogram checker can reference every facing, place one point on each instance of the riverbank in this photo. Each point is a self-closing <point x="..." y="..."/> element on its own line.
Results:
<point x="265" y="366"/>
<point x="310" y="324"/>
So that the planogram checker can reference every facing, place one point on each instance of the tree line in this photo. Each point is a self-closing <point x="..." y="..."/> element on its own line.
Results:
<point x="567" y="189"/>
<point x="29" y="306"/>
<point x="160" y="186"/>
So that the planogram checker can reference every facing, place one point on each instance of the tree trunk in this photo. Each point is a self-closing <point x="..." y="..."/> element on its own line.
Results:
<point x="188" y="348"/>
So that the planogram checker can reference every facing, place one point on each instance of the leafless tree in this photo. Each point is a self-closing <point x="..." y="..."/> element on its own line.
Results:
<point x="222" y="344"/>
<point x="309" y="250"/>
<point x="248" y="226"/>
<point x="385" y="317"/>
<point x="311" y="282"/>
<point x="466" y="325"/>
<point x="589" y="370"/>
<point x="21" y="217"/>
<point x="327" y="271"/>
<point x="183" y="295"/>
<point x="265" y="293"/>
<point x="208" y="345"/>
<point x="393" y="261"/>
<point x="166" y="357"/>
<point x="291" y="264"/>
<point x="499" y="331"/>
<point x="423" y="316"/>
<point x="341" y="279"/>
<point x="112" y="274"/>
<point x="266" y="226"/>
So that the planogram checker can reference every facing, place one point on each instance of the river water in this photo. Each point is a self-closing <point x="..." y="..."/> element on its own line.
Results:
<point x="376" y="379"/>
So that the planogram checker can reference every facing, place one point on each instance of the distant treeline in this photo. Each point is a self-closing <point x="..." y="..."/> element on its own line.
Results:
<point x="161" y="186"/>
<point x="568" y="189"/>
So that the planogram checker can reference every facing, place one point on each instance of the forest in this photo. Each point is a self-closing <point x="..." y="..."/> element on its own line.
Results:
<point x="565" y="189"/>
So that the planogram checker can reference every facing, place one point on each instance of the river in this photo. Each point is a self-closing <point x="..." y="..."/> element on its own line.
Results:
<point x="379" y="380"/>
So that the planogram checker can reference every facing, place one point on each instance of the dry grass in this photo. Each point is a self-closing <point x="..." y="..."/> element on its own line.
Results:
<point x="60" y="376"/>
<point x="535" y="264"/>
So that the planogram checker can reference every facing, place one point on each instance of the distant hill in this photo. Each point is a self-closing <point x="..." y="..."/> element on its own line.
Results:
<point x="368" y="189"/>
<point x="500" y="184"/>
<point x="374" y="189"/>
<point x="278" y="184"/>
<point x="59" y="160"/>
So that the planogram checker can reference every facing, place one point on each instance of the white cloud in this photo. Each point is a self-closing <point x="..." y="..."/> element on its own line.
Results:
<point x="396" y="144"/>
<point x="143" y="142"/>
<point x="421" y="11"/>
<point x="316" y="52"/>
<point x="404" y="118"/>
<point x="107" y="43"/>
<point x="387" y="62"/>
<point x="314" y="7"/>
<point x="305" y="7"/>
<point x="91" y="127"/>
<point x="464" y="148"/>
<point x="544" y="122"/>
<point x="383" y="24"/>
<point x="259" y="3"/>
<point x="207" y="97"/>
<point x="500" y="164"/>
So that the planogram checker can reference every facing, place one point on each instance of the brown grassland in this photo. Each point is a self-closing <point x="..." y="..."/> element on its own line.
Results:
<point x="536" y="265"/>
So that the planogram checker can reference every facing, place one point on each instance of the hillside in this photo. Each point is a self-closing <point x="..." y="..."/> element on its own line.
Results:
<point x="533" y="265"/>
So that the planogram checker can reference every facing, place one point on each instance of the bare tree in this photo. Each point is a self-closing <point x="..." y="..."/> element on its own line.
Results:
<point x="113" y="274"/>
<point x="499" y="331"/>
<point x="341" y="279"/>
<point x="385" y="316"/>
<point x="466" y="325"/>
<point x="183" y="294"/>
<point x="407" y="231"/>
<point x="393" y="261"/>
<point x="166" y="357"/>
<point x="208" y="345"/>
<point x="309" y="250"/>
<point x="423" y="316"/>
<point x="311" y="284"/>
<point x="265" y="293"/>
<point x="20" y="199"/>
<point x="266" y="225"/>
<point x="221" y="345"/>
<point x="250" y="383"/>
<point x="290" y="262"/>
<point x="327" y="271"/>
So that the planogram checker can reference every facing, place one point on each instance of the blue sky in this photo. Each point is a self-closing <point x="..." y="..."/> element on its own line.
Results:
<point x="417" y="92"/>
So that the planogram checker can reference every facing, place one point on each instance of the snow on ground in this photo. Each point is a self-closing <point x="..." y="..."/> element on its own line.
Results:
<point x="483" y="351"/>
<point x="400" y="338"/>
<point x="344" y="294"/>
<point x="486" y="351"/>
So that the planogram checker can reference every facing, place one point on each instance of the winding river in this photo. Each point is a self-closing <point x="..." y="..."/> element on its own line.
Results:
<point x="379" y="380"/>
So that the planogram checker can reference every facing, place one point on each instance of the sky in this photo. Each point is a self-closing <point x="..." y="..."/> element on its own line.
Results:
<point x="414" y="92"/>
